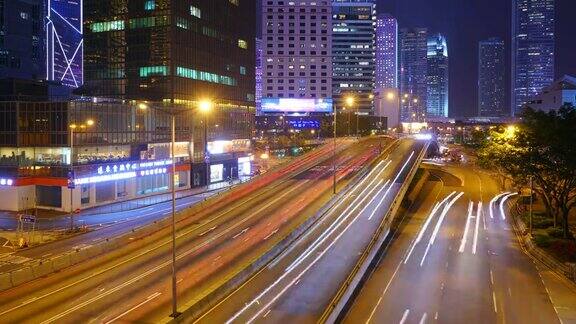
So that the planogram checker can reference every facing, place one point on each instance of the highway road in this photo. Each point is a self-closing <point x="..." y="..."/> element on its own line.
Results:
<point x="110" y="225"/>
<point x="455" y="259"/>
<point x="133" y="283"/>
<point x="298" y="285"/>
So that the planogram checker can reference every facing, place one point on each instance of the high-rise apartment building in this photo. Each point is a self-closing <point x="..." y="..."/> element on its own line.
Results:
<point x="386" y="51"/>
<point x="296" y="55"/>
<point x="21" y="39"/>
<point x="437" y="96"/>
<point x="491" y="76"/>
<point x="532" y="49"/>
<point x="163" y="50"/>
<point x="64" y="42"/>
<point x="353" y="51"/>
<point x="413" y="47"/>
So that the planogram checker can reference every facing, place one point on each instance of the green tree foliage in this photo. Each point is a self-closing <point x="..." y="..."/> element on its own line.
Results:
<point x="542" y="147"/>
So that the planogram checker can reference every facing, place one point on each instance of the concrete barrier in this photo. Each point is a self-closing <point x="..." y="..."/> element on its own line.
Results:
<point x="60" y="262"/>
<point x="5" y="281"/>
<point x="42" y="269"/>
<point x="21" y="276"/>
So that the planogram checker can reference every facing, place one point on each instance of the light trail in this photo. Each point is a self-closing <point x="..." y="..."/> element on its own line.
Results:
<point x="478" y="217"/>
<point x="502" y="202"/>
<point x="466" y="228"/>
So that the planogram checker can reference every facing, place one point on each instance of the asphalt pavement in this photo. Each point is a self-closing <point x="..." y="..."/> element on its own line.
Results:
<point x="455" y="260"/>
<point x="299" y="284"/>
<point x="132" y="284"/>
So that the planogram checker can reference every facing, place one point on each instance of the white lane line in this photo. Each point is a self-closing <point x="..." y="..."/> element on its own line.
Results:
<point x="344" y="214"/>
<point x="494" y="302"/>
<point x="404" y="316"/>
<point x="466" y="228"/>
<point x="439" y="224"/>
<point x="426" y="224"/>
<point x="207" y="231"/>
<point x="478" y="216"/>
<point x="502" y="202"/>
<point x="423" y="319"/>
<point x="272" y="233"/>
<point x="392" y="184"/>
<point x="383" y="293"/>
<point x="148" y="299"/>
<point x="241" y="232"/>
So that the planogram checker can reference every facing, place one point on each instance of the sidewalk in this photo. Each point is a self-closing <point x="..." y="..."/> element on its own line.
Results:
<point x="116" y="211"/>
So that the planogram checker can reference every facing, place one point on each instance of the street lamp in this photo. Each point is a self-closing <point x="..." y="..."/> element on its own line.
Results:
<point x="204" y="106"/>
<point x="71" y="185"/>
<point x="350" y="102"/>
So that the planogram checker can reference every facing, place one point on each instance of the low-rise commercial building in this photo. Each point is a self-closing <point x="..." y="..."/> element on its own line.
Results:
<point x="560" y="93"/>
<point x="87" y="152"/>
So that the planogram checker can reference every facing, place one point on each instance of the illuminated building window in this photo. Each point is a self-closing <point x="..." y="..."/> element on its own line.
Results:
<point x="205" y="76"/>
<point x="242" y="44"/>
<point x="147" y="71"/>
<point x="106" y="26"/>
<point x="196" y="12"/>
<point x="150" y="5"/>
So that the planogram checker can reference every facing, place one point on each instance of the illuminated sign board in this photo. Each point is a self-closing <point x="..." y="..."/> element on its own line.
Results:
<point x="292" y="105"/>
<point x="221" y="147"/>
<point x="125" y="171"/>
<point x="6" y="182"/>
<point x="216" y="173"/>
<point x="304" y="124"/>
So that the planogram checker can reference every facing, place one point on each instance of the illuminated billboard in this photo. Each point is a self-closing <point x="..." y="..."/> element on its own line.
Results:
<point x="291" y="105"/>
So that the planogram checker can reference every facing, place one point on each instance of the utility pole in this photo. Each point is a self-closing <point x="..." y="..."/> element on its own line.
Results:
<point x="334" y="153"/>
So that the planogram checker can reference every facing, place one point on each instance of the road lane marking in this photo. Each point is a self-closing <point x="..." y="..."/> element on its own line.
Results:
<point x="384" y="292"/>
<point x="478" y="216"/>
<point x="491" y="277"/>
<point x="272" y="233"/>
<point x="207" y="231"/>
<point x="241" y="232"/>
<point x="148" y="299"/>
<point x="405" y="316"/>
<point x="466" y="228"/>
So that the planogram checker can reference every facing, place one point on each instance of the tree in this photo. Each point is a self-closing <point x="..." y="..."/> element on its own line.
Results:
<point x="542" y="147"/>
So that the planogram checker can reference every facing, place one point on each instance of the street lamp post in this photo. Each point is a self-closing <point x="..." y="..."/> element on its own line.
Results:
<point x="71" y="185"/>
<point x="334" y="153"/>
<point x="205" y="106"/>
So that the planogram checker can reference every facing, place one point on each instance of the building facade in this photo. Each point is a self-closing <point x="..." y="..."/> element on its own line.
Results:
<point x="413" y="73"/>
<point x="164" y="50"/>
<point x="258" y="73"/>
<point x="22" y="39"/>
<point x="437" y="98"/>
<point x="386" y="52"/>
<point x="491" y="79"/>
<point x="65" y="42"/>
<point x="561" y="92"/>
<point x="297" y="61"/>
<point x="117" y="151"/>
<point x="533" y="41"/>
<point x="353" y="51"/>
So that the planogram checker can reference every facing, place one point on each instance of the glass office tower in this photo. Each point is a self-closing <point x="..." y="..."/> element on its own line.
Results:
<point x="386" y="52"/>
<point x="491" y="76"/>
<point x="438" y="77"/>
<point x="413" y="73"/>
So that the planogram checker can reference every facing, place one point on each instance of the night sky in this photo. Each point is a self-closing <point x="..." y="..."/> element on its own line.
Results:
<point x="465" y="22"/>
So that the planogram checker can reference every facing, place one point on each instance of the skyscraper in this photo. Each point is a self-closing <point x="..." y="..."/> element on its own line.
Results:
<point x="21" y="39"/>
<point x="413" y="73"/>
<point x="491" y="73"/>
<point x="297" y="63"/>
<point x="170" y="50"/>
<point x="353" y="51"/>
<point x="532" y="49"/>
<point x="258" y="73"/>
<point x="64" y="42"/>
<point x="386" y="51"/>
<point x="438" y="76"/>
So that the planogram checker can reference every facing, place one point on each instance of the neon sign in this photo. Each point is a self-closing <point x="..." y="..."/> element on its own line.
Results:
<point x="125" y="171"/>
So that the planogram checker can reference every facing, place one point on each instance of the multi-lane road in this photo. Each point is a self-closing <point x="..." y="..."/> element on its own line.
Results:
<point x="300" y="283"/>
<point x="132" y="284"/>
<point x="455" y="259"/>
